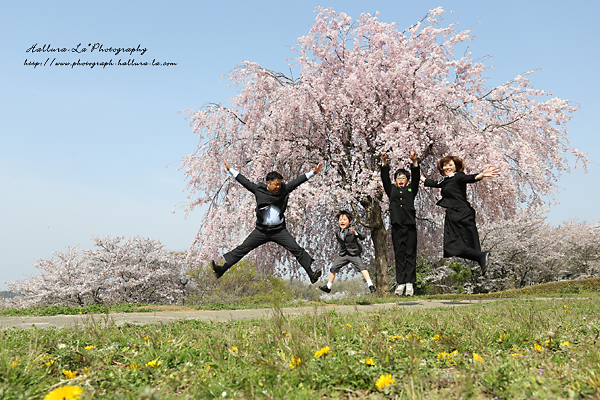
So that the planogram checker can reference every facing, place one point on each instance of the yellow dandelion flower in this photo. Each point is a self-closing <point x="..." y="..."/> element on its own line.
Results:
<point x="286" y="335"/>
<point x="234" y="349"/>
<point x="133" y="367"/>
<point x="89" y="347"/>
<point x="437" y="337"/>
<point x="502" y="337"/>
<point x="566" y="308"/>
<point x="69" y="374"/>
<point x="538" y="348"/>
<point x="443" y="356"/>
<point x="515" y="355"/>
<point x="565" y="344"/>
<point x="146" y="338"/>
<point x="324" y="350"/>
<point x="394" y="337"/>
<point x="416" y="338"/>
<point x="64" y="393"/>
<point x="384" y="381"/>
<point x="546" y="342"/>
<point x="477" y="358"/>
<point x="349" y="326"/>
<point x="154" y="363"/>
<point x="49" y="363"/>
<point x="369" y="361"/>
<point x="15" y="364"/>
<point x="295" y="362"/>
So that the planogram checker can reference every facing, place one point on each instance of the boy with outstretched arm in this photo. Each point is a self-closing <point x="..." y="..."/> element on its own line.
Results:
<point x="350" y="251"/>
<point x="271" y="203"/>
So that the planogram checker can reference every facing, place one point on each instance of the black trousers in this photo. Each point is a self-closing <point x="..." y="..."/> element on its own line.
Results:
<point x="258" y="238"/>
<point x="404" y="239"/>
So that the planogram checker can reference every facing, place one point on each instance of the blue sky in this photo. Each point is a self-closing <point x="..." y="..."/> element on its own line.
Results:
<point x="84" y="151"/>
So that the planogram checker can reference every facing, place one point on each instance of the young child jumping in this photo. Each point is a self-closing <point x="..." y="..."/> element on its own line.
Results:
<point x="403" y="220"/>
<point x="461" y="238"/>
<point x="271" y="203"/>
<point x="350" y="251"/>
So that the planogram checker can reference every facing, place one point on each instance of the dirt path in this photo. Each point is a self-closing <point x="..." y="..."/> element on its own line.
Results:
<point x="183" y="313"/>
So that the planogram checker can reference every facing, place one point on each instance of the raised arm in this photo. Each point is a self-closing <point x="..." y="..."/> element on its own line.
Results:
<point x="385" y="174"/>
<point x="251" y="186"/>
<point x="294" y="183"/>
<point x="472" y="178"/>
<point x="415" y="172"/>
<point x="489" y="172"/>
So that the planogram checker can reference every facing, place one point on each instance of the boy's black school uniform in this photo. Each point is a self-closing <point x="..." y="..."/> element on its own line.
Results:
<point x="350" y="250"/>
<point x="264" y="233"/>
<point x="461" y="238"/>
<point x="403" y="221"/>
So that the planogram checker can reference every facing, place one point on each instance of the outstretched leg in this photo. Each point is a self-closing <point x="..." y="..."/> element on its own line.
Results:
<point x="255" y="238"/>
<point x="286" y="240"/>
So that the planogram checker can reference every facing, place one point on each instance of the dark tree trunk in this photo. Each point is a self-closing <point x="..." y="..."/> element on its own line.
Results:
<point x="379" y="236"/>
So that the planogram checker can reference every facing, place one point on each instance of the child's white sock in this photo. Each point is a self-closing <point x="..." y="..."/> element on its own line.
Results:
<point x="329" y="285"/>
<point x="369" y="282"/>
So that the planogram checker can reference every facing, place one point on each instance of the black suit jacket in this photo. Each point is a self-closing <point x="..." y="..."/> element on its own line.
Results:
<point x="349" y="244"/>
<point x="454" y="189"/>
<point x="264" y="198"/>
<point x="402" y="199"/>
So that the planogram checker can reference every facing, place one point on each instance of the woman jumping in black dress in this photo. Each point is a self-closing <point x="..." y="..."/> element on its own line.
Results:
<point x="460" y="232"/>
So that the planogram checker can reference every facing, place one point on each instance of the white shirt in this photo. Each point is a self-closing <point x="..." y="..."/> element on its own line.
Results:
<point x="270" y="214"/>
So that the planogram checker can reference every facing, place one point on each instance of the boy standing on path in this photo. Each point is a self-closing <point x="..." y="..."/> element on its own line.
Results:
<point x="403" y="220"/>
<point x="350" y="251"/>
<point x="271" y="203"/>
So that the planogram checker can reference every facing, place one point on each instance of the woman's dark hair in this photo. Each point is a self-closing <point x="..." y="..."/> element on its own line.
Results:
<point x="271" y="176"/>
<point x="346" y="213"/>
<point x="458" y="163"/>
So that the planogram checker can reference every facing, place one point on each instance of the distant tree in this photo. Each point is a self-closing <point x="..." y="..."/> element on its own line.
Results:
<point x="366" y="87"/>
<point x="134" y="270"/>
<point x="527" y="250"/>
<point x="583" y="243"/>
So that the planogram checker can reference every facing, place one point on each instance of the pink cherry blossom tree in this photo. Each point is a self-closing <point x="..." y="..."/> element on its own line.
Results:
<point x="365" y="87"/>
<point x="118" y="270"/>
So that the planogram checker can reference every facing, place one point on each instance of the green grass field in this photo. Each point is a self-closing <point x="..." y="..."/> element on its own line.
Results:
<point x="512" y="348"/>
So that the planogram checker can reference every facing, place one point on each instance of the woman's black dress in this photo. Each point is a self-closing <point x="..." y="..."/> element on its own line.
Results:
<point x="460" y="232"/>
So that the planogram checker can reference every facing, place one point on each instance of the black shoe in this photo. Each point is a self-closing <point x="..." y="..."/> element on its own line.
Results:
<point x="372" y="289"/>
<point x="325" y="289"/>
<point x="485" y="262"/>
<point x="219" y="270"/>
<point x="315" y="276"/>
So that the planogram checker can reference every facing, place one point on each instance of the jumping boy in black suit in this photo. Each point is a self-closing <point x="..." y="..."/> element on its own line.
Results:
<point x="350" y="251"/>
<point x="402" y="217"/>
<point x="271" y="203"/>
